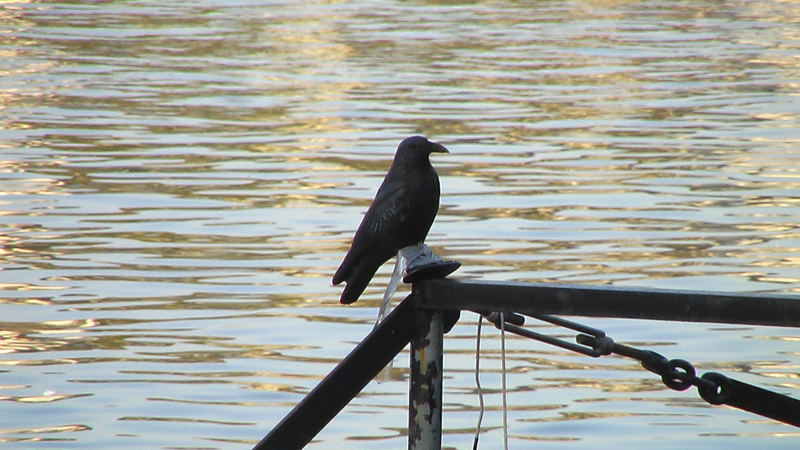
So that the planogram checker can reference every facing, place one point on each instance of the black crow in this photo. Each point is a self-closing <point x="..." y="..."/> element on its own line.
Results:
<point x="400" y="215"/>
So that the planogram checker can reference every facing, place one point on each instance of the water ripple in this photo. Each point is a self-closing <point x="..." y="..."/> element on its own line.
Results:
<point x="179" y="181"/>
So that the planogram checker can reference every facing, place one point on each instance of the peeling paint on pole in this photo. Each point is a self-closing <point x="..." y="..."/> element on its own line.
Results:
<point x="425" y="394"/>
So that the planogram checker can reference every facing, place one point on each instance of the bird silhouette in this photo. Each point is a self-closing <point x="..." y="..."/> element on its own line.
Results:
<point x="400" y="215"/>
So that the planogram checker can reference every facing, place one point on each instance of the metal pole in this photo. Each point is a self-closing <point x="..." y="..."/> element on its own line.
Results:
<point x="425" y="392"/>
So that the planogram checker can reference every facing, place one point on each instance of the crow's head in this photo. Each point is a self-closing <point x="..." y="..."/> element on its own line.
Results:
<point x="420" y="145"/>
<point x="413" y="152"/>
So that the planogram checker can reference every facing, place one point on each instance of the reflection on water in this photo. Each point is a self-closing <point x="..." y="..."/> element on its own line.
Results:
<point x="180" y="181"/>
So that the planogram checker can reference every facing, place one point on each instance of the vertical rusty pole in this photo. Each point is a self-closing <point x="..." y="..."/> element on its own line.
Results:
<point x="425" y="394"/>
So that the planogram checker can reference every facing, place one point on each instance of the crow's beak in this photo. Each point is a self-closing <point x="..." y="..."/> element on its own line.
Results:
<point x="438" y="148"/>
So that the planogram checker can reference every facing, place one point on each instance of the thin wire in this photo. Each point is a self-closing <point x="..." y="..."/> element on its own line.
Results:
<point x="503" y="379"/>
<point x="478" y="384"/>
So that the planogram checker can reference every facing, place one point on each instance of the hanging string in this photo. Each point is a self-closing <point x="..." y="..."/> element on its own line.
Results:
<point x="503" y="378"/>
<point x="478" y="384"/>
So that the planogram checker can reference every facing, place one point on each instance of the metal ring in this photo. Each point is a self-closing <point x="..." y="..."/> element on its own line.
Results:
<point x="676" y="379"/>
<point x="720" y="394"/>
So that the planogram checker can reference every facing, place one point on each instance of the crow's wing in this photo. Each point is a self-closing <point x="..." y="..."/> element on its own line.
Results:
<point x="375" y="238"/>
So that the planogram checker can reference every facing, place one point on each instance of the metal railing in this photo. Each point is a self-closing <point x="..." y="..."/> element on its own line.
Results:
<point x="433" y="308"/>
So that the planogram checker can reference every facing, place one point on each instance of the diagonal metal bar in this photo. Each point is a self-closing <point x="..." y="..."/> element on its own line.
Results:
<point x="344" y="382"/>
<point x="569" y="324"/>
<point x="547" y="339"/>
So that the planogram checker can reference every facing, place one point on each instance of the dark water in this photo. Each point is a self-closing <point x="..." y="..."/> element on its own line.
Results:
<point x="178" y="182"/>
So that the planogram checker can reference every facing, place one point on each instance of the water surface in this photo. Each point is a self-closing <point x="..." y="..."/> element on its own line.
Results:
<point x="179" y="181"/>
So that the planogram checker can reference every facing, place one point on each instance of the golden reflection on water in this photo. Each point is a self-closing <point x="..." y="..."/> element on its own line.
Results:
<point x="56" y="429"/>
<point x="178" y="184"/>
<point x="41" y="398"/>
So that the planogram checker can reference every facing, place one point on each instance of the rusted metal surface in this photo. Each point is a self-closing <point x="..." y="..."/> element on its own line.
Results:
<point x="425" y="394"/>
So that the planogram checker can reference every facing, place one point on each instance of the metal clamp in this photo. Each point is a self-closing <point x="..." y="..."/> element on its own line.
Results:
<point x="600" y="344"/>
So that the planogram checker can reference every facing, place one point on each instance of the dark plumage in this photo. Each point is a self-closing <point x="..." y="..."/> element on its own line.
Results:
<point x="400" y="215"/>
